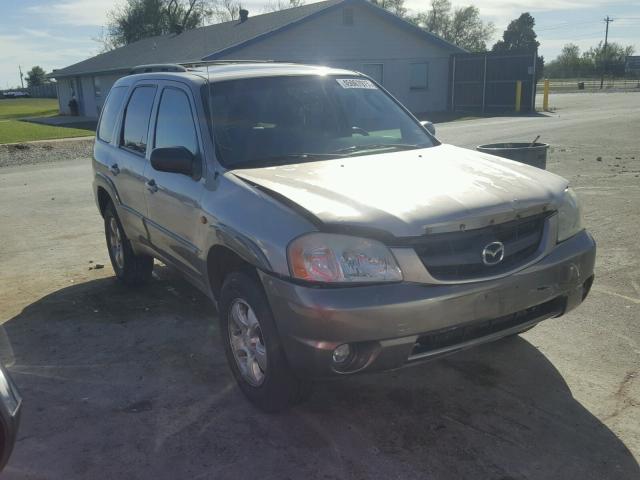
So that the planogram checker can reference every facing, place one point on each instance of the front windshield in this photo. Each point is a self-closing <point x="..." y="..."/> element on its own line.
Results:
<point x="278" y="120"/>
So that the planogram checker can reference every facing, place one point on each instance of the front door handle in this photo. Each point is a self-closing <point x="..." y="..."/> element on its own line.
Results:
<point x="152" y="186"/>
<point x="114" y="169"/>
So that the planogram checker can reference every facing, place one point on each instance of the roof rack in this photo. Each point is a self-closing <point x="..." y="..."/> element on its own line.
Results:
<point x="157" y="67"/>
<point x="204" y="63"/>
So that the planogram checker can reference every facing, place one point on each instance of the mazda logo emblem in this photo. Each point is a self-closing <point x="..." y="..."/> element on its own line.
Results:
<point x="493" y="253"/>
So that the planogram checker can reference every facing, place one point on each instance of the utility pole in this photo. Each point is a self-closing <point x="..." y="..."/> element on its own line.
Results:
<point x="604" y="50"/>
<point x="21" y="81"/>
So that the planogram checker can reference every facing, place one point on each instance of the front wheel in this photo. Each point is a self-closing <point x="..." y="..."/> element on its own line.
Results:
<point x="130" y="268"/>
<point x="252" y="346"/>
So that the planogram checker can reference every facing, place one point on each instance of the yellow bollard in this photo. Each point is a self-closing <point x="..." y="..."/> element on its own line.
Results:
<point x="545" y="98"/>
<point x="518" y="95"/>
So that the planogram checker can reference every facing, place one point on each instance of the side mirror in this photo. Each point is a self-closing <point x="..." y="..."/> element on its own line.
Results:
<point x="429" y="126"/>
<point x="173" y="160"/>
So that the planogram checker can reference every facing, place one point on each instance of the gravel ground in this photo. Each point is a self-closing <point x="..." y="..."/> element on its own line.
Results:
<point x="35" y="153"/>
<point x="133" y="384"/>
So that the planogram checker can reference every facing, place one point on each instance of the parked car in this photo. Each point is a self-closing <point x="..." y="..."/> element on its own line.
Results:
<point x="16" y="94"/>
<point x="335" y="234"/>
<point x="10" y="403"/>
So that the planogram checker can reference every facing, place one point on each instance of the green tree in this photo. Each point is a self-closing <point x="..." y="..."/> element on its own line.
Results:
<point x="468" y="31"/>
<point x="462" y="26"/>
<point x="521" y="37"/>
<point x="138" y="19"/>
<point x="438" y="19"/>
<point x="569" y="64"/>
<point x="36" y="76"/>
<point x="612" y="59"/>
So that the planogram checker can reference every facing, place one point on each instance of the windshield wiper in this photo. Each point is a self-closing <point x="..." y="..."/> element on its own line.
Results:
<point x="377" y="146"/>
<point x="285" y="159"/>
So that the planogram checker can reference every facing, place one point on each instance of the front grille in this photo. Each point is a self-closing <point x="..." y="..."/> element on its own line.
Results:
<point x="448" y="338"/>
<point x="458" y="255"/>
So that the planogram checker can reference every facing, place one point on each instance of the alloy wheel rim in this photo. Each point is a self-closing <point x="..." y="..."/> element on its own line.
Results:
<point x="115" y="242"/>
<point x="247" y="343"/>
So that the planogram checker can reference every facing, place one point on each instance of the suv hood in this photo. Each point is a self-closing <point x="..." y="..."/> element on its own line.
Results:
<point x="410" y="193"/>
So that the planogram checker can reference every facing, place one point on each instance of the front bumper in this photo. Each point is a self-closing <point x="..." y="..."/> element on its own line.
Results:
<point x="10" y="406"/>
<point x="389" y="325"/>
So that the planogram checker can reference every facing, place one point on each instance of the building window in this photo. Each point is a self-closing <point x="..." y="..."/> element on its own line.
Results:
<point x="419" y="76"/>
<point x="374" y="70"/>
<point x="347" y="16"/>
<point x="97" y="88"/>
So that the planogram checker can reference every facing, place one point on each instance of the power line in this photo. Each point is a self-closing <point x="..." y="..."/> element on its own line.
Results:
<point x="566" y="25"/>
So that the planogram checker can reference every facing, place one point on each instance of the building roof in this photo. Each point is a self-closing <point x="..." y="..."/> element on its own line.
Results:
<point x="213" y="41"/>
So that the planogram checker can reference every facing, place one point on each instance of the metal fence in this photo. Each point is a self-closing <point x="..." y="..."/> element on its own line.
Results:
<point x="591" y="84"/>
<point x="48" y="90"/>
<point x="486" y="82"/>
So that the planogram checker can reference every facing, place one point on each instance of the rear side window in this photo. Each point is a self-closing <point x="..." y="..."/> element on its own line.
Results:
<point x="110" y="113"/>
<point x="136" y="119"/>
<point x="175" y="127"/>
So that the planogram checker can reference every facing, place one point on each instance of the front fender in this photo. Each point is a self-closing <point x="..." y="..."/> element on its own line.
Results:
<point x="252" y="224"/>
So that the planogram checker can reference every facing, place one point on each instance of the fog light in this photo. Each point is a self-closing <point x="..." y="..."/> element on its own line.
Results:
<point x="341" y="353"/>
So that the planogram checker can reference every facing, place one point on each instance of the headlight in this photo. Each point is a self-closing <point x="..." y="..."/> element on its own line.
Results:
<point x="569" y="216"/>
<point x="333" y="258"/>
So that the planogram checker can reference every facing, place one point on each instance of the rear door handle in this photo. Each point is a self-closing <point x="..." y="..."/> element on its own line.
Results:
<point x="114" y="169"/>
<point x="152" y="186"/>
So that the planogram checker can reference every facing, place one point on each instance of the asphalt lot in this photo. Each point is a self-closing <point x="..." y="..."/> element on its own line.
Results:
<point x="133" y="384"/>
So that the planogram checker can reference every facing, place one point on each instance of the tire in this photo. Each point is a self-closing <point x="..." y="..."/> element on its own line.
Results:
<point x="255" y="354"/>
<point x="130" y="268"/>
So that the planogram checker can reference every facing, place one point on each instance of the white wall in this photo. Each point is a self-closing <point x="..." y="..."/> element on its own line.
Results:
<point x="371" y="39"/>
<point x="87" y="98"/>
<point x="64" y="95"/>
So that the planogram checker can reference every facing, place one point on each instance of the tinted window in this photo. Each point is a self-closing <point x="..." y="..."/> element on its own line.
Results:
<point x="175" y="127"/>
<point x="263" y="121"/>
<point x="136" y="119"/>
<point x="110" y="113"/>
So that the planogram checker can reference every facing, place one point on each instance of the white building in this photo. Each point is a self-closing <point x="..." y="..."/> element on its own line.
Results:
<point x="355" y="34"/>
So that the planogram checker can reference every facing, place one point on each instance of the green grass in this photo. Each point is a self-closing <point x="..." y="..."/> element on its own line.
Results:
<point x="28" y="107"/>
<point x="14" y="130"/>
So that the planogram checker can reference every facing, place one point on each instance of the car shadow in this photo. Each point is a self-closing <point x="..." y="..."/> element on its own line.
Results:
<point x="121" y="383"/>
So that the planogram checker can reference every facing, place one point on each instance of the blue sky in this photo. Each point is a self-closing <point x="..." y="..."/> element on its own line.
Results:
<point x="54" y="34"/>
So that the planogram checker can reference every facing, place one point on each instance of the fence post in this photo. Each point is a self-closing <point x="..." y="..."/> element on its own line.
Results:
<point x="484" y="84"/>
<point x="545" y="98"/>
<point x="453" y="85"/>
<point x="518" y="95"/>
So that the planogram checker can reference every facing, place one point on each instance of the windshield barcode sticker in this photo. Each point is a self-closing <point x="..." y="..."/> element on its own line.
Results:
<point x="356" y="83"/>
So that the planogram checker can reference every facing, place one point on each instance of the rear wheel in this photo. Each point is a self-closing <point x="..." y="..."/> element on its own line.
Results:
<point x="253" y="348"/>
<point x="130" y="268"/>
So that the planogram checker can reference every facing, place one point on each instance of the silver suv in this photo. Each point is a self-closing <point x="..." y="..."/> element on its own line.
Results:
<point x="332" y="230"/>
